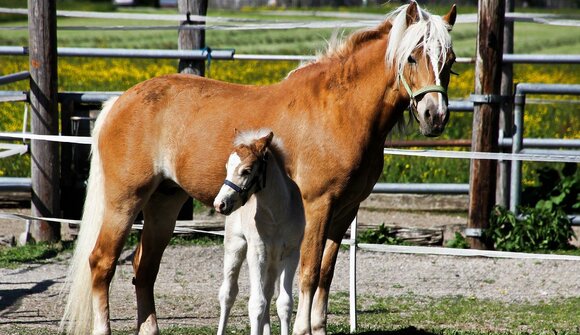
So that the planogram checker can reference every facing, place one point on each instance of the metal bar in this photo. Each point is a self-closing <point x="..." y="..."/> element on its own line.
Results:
<point x="10" y="78"/>
<point x="428" y="143"/>
<point x="434" y="188"/>
<point x="543" y="143"/>
<point x="541" y="59"/>
<point x="505" y="142"/>
<point x="87" y="97"/>
<point x="12" y="184"/>
<point x="229" y="54"/>
<point x="221" y="54"/>
<point x="303" y="58"/>
<point x="517" y="143"/>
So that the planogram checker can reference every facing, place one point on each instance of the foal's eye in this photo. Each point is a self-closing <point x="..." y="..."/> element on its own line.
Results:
<point x="411" y="60"/>
<point x="245" y="172"/>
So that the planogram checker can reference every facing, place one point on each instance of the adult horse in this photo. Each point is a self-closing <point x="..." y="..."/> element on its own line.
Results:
<point x="169" y="137"/>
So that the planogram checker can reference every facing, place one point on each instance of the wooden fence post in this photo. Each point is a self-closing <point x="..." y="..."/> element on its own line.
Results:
<point x="44" y="102"/>
<point x="192" y="39"/>
<point x="487" y="102"/>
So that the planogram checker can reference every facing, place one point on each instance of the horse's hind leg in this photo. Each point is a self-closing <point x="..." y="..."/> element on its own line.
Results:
<point x="159" y="214"/>
<point x="103" y="259"/>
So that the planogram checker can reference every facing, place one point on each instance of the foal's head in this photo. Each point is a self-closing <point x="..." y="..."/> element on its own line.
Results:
<point x="245" y="170"/>
<point x="420" y="51"/>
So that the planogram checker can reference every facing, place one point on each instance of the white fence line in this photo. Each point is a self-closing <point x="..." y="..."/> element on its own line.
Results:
<point x="351" y="19"/>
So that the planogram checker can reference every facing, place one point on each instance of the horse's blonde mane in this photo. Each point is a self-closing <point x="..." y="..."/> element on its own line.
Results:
<point x="430" y="32"/>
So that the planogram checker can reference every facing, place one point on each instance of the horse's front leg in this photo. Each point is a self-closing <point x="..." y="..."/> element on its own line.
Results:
<point x="320" y="304"/>
<point x="317" y="221"/>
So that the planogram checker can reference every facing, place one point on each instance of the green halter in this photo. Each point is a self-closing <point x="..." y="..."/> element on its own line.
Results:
<point x="419" y="92"/>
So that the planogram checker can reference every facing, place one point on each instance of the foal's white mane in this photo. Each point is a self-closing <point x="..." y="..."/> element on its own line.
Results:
<point x="247" y="137"/>
<point x="431" y="32"/>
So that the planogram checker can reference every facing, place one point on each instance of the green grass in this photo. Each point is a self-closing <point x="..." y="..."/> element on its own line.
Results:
<point x="409" y="314"/>
<point x="31" y="253"/>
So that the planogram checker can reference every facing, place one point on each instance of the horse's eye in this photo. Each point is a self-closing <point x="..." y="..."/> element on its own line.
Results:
<point x="245" y="172"/>
<point x="411" y="60"/>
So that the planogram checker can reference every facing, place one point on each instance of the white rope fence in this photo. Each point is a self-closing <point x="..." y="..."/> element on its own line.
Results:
<point x="350" y="20"/>
<point x="561" y="158"/>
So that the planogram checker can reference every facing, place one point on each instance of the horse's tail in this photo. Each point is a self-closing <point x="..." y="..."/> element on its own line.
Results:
<point x="78" y="313"/>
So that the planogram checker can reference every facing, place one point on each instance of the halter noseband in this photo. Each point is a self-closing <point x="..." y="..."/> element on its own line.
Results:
<point x="258" y="182"/>
<point x="413" y="95"/>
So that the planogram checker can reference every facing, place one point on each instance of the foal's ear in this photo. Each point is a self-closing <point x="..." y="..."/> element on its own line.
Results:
<point x="451" y="16"/>
<point x="412" y="13"/>
<point x="263" y="143"/>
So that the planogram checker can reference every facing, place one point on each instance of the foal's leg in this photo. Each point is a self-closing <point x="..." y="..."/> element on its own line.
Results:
<point x="270" y="277"/>
<point x="159" y="216"/>
<point x="257" y="269"/>
<point x="317" y="220"/>
<point x="320" y="304"/>
<point x="235" y="247"/>
<point x="284" y="303"/>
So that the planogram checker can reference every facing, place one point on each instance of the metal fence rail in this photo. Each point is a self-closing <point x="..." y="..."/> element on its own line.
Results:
<point x="517" y="143"/>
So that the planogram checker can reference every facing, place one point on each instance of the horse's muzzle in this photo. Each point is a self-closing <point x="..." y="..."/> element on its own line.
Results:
<point x="223" y="207"/>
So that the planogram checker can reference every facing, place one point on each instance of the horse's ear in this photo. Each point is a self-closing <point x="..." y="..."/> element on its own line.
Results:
<point x="412" y="13"/>
<point x="264" y="142"/>
<point x="451" y="16"/>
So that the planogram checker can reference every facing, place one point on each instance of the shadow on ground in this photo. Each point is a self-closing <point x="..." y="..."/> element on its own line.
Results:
<point x="404" y="331"/>
<point x="9" y="299"/>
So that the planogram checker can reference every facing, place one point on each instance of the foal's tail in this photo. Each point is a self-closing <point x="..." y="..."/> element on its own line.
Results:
<point x="78" y="313"/>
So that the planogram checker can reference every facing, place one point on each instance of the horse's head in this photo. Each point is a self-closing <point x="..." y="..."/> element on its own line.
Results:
<point x="420" y="50"/>
<point x="245" y="173"/>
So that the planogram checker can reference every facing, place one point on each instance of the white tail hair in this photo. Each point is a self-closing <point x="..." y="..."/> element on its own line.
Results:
<point x="78" y="313"/>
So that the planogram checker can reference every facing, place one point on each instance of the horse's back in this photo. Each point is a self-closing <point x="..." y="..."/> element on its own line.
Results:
<point x="176" y="127"/>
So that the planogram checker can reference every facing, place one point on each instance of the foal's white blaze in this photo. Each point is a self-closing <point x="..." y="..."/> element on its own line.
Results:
<point x="226" y="194"/>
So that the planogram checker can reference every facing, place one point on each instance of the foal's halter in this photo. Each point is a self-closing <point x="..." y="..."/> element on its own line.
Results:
<point x="420" y="92"/>
<point x="257" y="183"/>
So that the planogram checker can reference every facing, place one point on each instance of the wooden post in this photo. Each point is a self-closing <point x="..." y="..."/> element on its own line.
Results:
<point x="44" y="102"/>
<point x="487" y="100"/>
<point x="192" y="39"/>
<point x="502" y="194"/>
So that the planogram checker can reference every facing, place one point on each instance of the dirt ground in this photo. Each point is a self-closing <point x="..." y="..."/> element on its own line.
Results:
<point x="189" y="279"/>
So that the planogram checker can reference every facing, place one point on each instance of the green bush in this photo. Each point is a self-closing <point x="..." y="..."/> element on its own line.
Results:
<point x="379" y="235"/>
<point x="458" y="242"/>
<point x="539" y="229"/>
